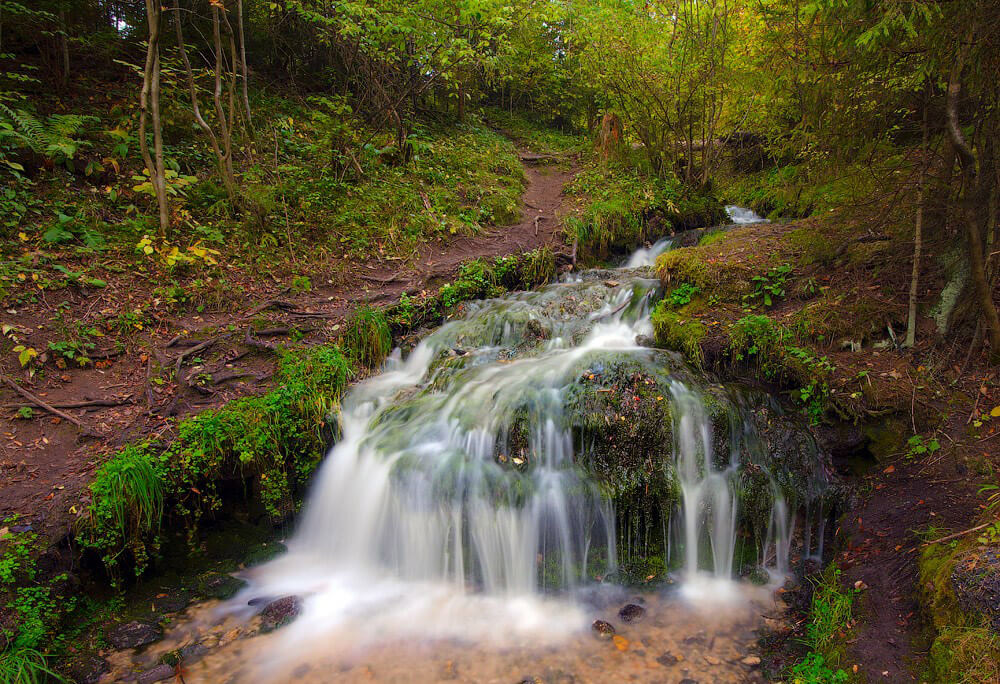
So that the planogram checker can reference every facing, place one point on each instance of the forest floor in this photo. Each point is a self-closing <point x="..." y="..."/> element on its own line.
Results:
<point x="46" y="463"/>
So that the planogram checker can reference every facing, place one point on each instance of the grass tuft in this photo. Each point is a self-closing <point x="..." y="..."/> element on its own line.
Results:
<point x="367" y="339"/>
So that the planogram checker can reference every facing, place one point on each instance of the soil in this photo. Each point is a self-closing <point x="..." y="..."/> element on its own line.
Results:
<point x="883" y="545"/>
<point x="47" y="463"/>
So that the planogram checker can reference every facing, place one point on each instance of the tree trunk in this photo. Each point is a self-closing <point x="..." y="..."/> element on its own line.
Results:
<point x="149" y="103"/>
<point x="918" y="226"/>
<point x="971" y="210"/>
<point x="227" y="180"/>
<point x="243" y="63"/>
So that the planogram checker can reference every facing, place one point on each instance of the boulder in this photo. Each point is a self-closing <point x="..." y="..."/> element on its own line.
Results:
<point x="134" y="634"/>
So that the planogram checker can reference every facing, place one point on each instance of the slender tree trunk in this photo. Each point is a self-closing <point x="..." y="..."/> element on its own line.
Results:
<point x="149" y="103"/>
<point x="227" y="180"/>
<point x="918" y="227"/>
<point x="243" y="63"/>
<point x="971" y="210"/>
<point x="64" y="45"/>
<point x="225" y="129"/>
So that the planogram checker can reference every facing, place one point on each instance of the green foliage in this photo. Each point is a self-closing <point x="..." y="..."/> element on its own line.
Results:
<point x="367" y="339"/>
<point x="712" y="237"/>
<point x="759" y="338"/>
<point x="26" y="666"/>
<point x="917" y="446"/>
<point x="830" y="619"/>
<point x="769" y="287"/>
<point x="275" y="440"/>
<point x="682" y="295"/>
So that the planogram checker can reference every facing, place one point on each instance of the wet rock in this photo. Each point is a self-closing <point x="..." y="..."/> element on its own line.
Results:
<point x="632" y="613"/>
<point x="157" y="674"/>
<point x="134" y="635"/>
<point x="976" y="581"/>
<point x="689" y="681"/>
<point x="173" y="602"/>
<point x="301" y="671"/>
<point x="602" y="629"/>
<point x="668" y="660"/>
<point x="219" y="585"/>
<point x="531" y="680"/>
<point x="751" y="661"/>
<point x="712" y="660"/>
<point x="87" y="669"/>
<point x="279" y="613"/>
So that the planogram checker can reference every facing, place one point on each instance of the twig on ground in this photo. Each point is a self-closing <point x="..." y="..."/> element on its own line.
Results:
<point x="40" y="403"/>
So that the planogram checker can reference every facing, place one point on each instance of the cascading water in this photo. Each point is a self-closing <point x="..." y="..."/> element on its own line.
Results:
<point x="646" y="256"/>
<point x="473" y="488"/>
<point x="742" y="215"/>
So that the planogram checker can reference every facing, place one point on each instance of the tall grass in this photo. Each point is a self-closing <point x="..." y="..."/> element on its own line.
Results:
<point x="26" y="666"/>
<point x="367" y="339"/>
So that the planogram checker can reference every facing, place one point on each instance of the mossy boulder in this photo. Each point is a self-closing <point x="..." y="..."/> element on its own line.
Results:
<point x="679" y="332"/>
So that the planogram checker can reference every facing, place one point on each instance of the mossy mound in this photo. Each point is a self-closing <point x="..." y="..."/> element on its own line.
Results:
<point x="678" y="332"/>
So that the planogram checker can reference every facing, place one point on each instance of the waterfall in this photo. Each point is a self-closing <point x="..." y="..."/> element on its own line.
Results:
<point x="462" y="498"/>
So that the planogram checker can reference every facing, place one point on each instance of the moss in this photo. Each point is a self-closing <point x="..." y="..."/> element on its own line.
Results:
<point x="683" y="266"/>
<point x="272" y="442"/>
<point x="712" y="237"/>
<point x="963" y="648"/>
<point x="678" y="332"/>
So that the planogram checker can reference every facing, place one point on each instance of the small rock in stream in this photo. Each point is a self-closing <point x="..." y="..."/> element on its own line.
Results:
<point x="134" y="634"/>
<point x="279" y="613"/>
<point x="220" y="586"/>
<point x="603" y="629"/>
<point x="157" y="674"/>
<point x="668" y="660"/>
<point x="632" y="613"/>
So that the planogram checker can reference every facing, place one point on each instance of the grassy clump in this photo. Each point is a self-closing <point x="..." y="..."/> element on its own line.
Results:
<point x="964" y="648"/>
<point x="367" y="339"/>
<point x="684" y="266"/>
<point x="273" y="441"/>
<point x="26" y="666"/>
<point x="676" y="331"/>
<point x="830" y="620"/>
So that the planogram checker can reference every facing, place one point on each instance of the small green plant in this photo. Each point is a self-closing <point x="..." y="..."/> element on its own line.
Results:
<point x="918" y="446"/>
<point x="769" y="287"/>
<point x="25" y="413"/>
<point x="72" y="350"/>
<point x="990" y="534"/>
<point x="813" y="669"/>
<point x="301" y="284"/>
<point x="682" y="295"/>
<point x="759" y="338"/>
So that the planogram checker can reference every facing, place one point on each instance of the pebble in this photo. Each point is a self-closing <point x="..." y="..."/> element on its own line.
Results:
<point x="668" y="660"/>
<point x="602" y="629"/>
<point x="632" y="613"/>
<point x="751" y="660"/>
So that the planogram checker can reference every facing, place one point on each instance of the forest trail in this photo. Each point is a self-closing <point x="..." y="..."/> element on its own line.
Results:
<point x="46" y="464"/>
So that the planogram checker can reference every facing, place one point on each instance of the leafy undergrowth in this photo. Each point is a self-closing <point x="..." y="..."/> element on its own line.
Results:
<point x="964" y="648"/>
<point x="760" y="301"/>
<point x="303" y="205"/>
<point x="829" y="624"/>
<point x="537" y="137"/>
<point x="621" y="205"/>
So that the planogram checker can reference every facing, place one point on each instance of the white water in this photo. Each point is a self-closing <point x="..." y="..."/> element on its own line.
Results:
<point x="646" y="256"/>
<point x="453" y="500"/>
<point x="742" y="215"/>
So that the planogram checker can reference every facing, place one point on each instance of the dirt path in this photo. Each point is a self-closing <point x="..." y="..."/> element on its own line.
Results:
<point x="45" y="462"/>
<point x="883" y="548"/>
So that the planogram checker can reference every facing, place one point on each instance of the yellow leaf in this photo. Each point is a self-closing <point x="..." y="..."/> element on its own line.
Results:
<point x="995" y="412"/>
<point x="621" y="643"/>
<point x="23" y="237"/>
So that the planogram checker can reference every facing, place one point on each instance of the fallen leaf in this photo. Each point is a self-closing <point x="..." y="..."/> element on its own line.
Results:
<point x="890" y="469"/>
<point x="621" y="643"/>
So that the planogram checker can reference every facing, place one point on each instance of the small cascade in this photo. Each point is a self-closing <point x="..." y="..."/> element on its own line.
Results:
<point x="646" y="256"/>
<point x="742" y="215"/>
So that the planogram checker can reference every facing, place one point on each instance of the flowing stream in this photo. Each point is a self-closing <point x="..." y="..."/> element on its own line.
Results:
<point x="477" y="502"/>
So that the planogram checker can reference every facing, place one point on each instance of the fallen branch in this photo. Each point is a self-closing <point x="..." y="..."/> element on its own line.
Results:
<point x="276" y="303"/>
<point x="90" y="432"/>
<point x="959" y="534"/>
<point x="197" y="348"/>
<point x="78" y="404"/>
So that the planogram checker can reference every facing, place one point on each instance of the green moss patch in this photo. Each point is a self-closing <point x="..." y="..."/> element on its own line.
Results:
<point x="678" y="332"/>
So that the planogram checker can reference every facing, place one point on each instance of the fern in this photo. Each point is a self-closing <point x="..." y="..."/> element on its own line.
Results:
<point x="25" y="128"/>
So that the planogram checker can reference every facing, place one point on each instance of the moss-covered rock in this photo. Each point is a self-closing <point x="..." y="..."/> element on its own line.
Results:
<point x="678" y="332"/>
